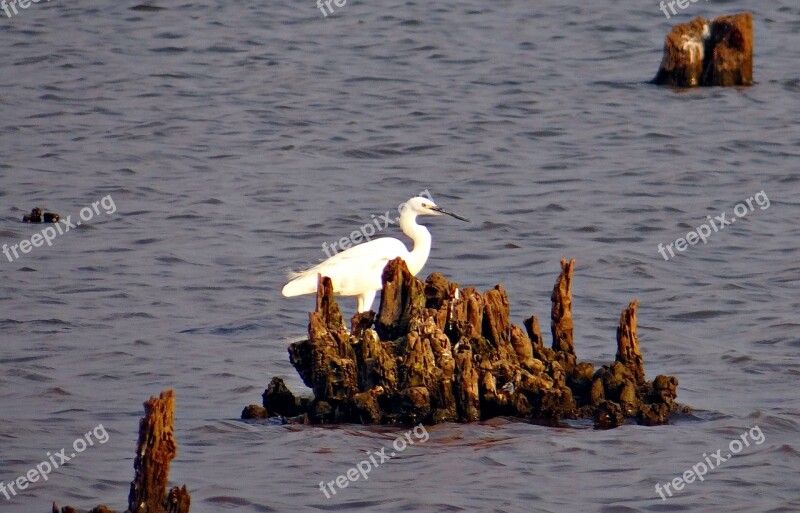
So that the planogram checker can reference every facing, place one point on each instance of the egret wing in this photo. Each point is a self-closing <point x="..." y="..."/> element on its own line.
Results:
<point x="352" y="271"/>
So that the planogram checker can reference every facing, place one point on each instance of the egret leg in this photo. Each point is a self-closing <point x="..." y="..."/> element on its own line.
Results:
<point x="365" y="300"/>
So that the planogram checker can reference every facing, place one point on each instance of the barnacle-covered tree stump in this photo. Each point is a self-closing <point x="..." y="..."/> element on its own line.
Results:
<point x="716" y="52"/>
<point x="435" y="352"/>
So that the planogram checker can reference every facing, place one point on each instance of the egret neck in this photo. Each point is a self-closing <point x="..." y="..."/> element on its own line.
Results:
<point x="421" y="237"/>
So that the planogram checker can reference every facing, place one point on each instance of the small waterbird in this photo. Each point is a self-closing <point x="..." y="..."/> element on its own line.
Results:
<point x="357" y="271"/>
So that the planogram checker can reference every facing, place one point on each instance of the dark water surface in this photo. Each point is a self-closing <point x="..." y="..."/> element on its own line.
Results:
<point x="235" y="139"/>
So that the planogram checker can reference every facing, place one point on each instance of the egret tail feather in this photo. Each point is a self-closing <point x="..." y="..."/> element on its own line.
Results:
<point x="302" y="284"/>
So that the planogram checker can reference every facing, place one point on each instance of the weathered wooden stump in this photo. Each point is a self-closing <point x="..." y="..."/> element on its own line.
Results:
<point x="440" y="353"/>
<point x="718" y="52"/>
<point x="154" y="452"/>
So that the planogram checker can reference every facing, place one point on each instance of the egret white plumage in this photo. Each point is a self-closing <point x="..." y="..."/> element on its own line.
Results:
<point x="357" y="271"/>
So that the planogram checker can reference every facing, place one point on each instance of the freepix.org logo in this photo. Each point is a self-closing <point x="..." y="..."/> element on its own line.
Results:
<point x="10" y="6"/>
<point x="367" y="230"/>
<point x="704" y="231"/>
<point x="46" y="235"/>
<point x="43" y="469"/>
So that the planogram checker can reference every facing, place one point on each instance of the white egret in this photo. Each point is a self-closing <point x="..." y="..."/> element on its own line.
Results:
<point x="357" y="271"/>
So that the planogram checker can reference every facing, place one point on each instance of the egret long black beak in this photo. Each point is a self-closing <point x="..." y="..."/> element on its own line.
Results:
<point x="443" y="211"/>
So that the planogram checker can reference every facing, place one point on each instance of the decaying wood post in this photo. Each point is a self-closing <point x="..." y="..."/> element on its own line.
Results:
<point x="403" y="297"/>
<point x="718" y="52"/>
<point x="154" y="452"/>
<point x="561" y="315"/>
<point x="333" y="359"/>
<point x="628" y="353"/>
<point x="440" y="353"/>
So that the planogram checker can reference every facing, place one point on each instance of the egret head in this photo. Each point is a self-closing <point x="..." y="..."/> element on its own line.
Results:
<point x="422" y="206"/>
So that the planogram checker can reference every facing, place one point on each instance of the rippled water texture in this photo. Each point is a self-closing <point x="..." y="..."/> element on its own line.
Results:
<point x="236" y="138"/>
